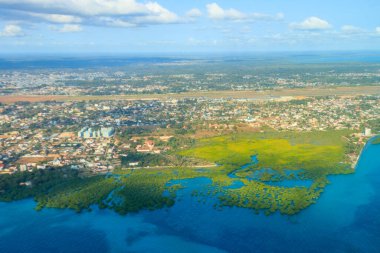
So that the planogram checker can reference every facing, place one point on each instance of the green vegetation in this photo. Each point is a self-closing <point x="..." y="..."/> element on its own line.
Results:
<point x="129" y="191"/>
<point x="291" y="156"/>
<point x="41" y="181"/>
<point x="58" y="188"/>
<point x="143" y="191"/>
<point x="77" y="194"/>
<point x="144" y="159"/>
<point x="376" y="141"/>
<point x="316" y="154"/>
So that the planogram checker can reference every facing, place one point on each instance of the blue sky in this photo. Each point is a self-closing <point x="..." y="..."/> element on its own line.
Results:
<point x="134" y="26"/>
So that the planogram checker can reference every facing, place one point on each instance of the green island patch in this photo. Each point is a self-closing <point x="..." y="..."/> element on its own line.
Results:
<point x="279" y="157"/>
<point x="376" y="141"/>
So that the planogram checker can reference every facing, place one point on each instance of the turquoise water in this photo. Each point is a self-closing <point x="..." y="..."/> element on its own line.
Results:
<point x="345" y="219"/>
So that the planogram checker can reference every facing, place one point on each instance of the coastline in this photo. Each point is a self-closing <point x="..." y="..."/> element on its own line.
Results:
<point x="368" y="142"/>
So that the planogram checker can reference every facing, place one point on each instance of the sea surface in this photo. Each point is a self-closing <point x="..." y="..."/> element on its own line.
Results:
<point x="345" y="219"/>
<point x="36" y="62"/>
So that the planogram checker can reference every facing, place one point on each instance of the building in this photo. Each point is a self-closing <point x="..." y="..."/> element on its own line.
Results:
<point x="23" y="167"/>
<point x="367" y="132"/>
<point x="81" y="132"/>
<point x="103" y="132"/>
<point x="107" y="132"/>
<point x="148" y="147"/>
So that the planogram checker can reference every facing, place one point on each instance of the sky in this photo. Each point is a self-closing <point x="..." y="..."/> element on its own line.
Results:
<point x="187" y="26"/>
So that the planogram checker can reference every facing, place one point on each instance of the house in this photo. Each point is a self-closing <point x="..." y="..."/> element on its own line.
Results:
<point x="23" y="167"/>
<point x="149" y="144"/>
<point x="146" y="148"/>
<point x="367" y="132"/>
<point x="143" y="149"/>
<point x="67" y="135"/>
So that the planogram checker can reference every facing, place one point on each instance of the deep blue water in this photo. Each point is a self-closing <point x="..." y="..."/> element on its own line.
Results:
<point x="32" y="62"/>
<point x="345" y="219"/>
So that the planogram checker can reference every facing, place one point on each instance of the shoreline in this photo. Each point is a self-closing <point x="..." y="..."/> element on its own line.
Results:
<point x="368" y="142"/>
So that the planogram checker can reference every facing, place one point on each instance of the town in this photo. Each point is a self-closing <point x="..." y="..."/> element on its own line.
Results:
<point x="172" y="75"/>
<point x="100" y="136"/>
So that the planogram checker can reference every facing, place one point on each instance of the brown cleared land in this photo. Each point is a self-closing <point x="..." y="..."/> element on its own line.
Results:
<point x="257" y="95"/>
<point x="36" y="159"/>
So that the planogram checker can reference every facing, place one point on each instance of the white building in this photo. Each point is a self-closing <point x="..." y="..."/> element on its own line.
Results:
<point x="367" y="132"/>
<point x="104" y="132"/>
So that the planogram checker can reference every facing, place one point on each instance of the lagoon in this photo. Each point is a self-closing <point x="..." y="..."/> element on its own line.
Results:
<point x="346" y="218"/>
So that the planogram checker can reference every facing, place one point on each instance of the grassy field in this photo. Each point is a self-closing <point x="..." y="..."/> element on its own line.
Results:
<point x="308" y="151"/>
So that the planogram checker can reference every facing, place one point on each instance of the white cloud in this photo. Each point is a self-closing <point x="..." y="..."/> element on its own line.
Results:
<point x="69" y="28"/>
<point x="351" y="29"/>
<point x="92" y="12"/>
<point x="312" y="24"/>
<point x="116" y="22"/>
<point x="157" y="14"/>
<point x="216" y="12"/>
<point x="57" y="18"/>
<point x="377" y="30"/>
<point x="194" y="13"/>
<point x="11" y="31"/>
<point x="83" y="7"/>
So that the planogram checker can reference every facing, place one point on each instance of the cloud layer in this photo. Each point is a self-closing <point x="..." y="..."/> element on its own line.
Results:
<point x="11" y="31"/>
<point x="216" y="12"/>
<point x="233" y="25"/>
<point x="311" y="24"/>
<point x="351" y="29"/>
<point x="99" y="12"/>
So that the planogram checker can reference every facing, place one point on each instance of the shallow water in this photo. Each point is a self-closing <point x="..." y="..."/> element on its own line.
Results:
<point x="345" y="219"/>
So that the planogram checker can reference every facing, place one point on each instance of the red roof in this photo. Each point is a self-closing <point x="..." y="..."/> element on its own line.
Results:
<point x="149" y="142"/>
